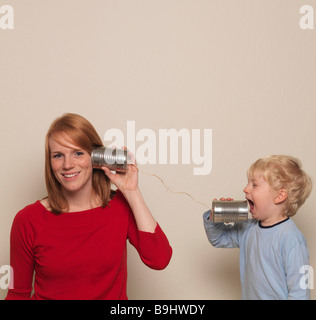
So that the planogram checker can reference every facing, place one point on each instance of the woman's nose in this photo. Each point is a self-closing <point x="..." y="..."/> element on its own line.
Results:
<point x="68" y="162"/>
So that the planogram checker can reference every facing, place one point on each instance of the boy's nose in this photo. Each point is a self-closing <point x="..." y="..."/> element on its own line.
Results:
<point x="246" y="189"/>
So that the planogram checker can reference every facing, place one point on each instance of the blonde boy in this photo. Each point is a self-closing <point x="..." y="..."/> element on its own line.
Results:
<point x="272" y="249"/>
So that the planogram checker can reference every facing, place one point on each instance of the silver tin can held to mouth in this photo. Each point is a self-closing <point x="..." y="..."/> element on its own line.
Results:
<point x="112" y="158"/>
<point x="230" y="211"/>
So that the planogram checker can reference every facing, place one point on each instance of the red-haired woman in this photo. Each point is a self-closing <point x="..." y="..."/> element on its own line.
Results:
<point x="75" y="238"/>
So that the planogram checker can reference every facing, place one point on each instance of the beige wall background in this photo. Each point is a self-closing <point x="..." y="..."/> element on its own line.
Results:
<point x="244" y="69"/>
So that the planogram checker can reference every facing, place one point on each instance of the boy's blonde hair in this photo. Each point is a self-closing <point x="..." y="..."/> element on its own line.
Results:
<point x="284" y="172"/>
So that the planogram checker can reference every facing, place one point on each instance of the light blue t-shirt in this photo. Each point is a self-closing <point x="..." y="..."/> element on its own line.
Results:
<point x="270" y="257"/>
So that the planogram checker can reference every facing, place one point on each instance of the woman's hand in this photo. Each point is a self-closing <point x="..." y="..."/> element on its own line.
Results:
<point x="125" y="181"/>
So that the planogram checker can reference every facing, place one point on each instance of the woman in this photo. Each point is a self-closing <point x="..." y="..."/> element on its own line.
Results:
<point x="75" y="239"/>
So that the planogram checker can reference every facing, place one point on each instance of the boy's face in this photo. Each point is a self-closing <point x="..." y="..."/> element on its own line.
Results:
<point x="261" y="198"/>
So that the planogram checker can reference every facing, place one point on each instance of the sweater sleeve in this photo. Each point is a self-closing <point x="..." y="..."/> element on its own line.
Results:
<point x="221" y="235"/>
<point x="21" y="257"/>
<point x="153" y="248"/>
<point x="297" y="270"/>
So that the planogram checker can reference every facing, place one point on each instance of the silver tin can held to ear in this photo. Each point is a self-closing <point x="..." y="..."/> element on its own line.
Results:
<point x="112" y="158"/>
<point x="230" y="211"/>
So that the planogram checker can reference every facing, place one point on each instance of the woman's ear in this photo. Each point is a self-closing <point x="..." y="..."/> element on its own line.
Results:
<point x="280" y="196"/>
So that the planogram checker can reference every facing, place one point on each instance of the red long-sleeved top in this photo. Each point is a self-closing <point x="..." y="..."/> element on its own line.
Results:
<point x="79" y="255"/>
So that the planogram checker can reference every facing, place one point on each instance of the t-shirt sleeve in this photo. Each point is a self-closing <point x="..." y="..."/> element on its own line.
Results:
<point x="221" y="235"/>
<point x="21" y="257"/>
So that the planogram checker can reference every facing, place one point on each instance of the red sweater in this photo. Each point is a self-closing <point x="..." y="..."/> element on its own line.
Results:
<point x="79" y="255"/>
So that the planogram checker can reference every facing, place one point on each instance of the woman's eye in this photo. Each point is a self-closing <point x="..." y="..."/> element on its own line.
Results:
<point x="79" y="153"/>
<point x="57" y="156"/>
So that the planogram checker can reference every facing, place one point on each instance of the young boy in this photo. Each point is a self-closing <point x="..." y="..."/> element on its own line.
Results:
<point x="272" y="249"/>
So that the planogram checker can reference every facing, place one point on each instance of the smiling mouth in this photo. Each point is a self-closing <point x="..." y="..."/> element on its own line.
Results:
<point x="70" y="175"/>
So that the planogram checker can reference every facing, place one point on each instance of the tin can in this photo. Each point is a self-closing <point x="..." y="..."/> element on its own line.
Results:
<point x="230" y="211"/>
<point x="112" y="158"/>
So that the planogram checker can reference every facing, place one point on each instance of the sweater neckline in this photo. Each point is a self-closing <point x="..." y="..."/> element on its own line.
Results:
<point x="71" y="212"/>
<point x="276" y="224"/>
<point x="74" y="212"/>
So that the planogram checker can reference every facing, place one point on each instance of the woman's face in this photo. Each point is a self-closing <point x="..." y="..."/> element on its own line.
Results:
<point x="71" y="166"/>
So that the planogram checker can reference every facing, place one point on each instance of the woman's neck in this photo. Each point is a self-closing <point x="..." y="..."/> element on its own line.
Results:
<point x="81" y="202"/>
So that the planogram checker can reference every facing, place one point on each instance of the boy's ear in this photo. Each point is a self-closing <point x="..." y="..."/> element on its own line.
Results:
<point x="280" y="196"/>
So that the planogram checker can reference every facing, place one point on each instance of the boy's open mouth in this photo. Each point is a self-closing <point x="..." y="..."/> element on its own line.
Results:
<point x="251" y="204"/>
